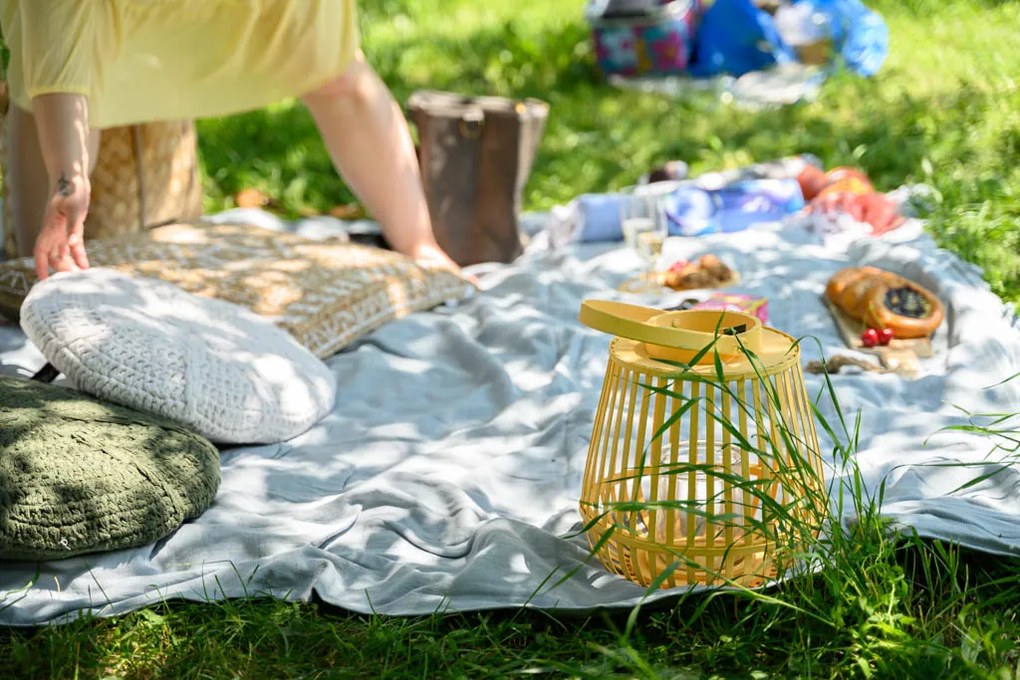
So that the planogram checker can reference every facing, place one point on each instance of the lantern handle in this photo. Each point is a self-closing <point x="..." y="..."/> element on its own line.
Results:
<point x="691" y="330"/>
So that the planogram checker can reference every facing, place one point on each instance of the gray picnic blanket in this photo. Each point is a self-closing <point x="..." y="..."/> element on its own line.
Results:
<point x="447" y="477"/>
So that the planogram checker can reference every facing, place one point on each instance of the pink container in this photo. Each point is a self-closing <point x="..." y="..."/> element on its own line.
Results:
<point x="737" y="302"/>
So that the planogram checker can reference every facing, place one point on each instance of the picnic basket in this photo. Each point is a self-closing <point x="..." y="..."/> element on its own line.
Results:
<point x="648" y="39"/>
<point x="703" y="465"/>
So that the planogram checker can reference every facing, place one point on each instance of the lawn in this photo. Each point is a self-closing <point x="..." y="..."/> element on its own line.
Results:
<point x="944" y="111"/>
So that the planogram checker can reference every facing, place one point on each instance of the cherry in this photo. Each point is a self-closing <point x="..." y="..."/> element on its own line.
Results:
<point x="885" y="335"/>
<point x="869" y="338"/>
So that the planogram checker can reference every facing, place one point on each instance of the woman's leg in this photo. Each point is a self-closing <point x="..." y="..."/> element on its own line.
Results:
<point x="28" y="189"/>
<point x="369" y="142"/>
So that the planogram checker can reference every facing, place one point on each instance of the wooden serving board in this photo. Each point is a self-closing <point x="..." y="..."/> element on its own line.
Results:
<point x="899" y="356"/>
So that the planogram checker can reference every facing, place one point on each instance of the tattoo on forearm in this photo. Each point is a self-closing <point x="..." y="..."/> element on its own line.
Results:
<point x="64" y="186"/>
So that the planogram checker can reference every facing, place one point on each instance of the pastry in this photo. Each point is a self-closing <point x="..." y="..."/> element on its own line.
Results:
<point x="881" y="299"/>
<point x="708" y="271"/>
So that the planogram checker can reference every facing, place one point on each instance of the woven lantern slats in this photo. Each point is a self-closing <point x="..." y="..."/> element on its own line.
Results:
<point x="694" y="475"/>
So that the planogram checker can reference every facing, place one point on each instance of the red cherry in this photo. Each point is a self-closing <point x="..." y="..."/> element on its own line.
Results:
<point x="869" y="338"/>
<point x="885" y="335"/>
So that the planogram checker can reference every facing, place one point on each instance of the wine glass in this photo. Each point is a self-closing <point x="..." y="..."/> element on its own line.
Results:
<point x="644" y="225"/>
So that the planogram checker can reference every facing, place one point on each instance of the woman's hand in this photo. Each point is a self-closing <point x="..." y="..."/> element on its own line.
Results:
<point x="62" y="121"/>
<point x="61" y="243"/>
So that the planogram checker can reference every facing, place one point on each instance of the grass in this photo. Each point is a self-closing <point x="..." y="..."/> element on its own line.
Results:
<point x="944" y="111"/>
<point x="922" y="610"/>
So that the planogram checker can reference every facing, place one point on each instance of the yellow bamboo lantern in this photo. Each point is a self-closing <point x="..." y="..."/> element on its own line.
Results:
<point x="703" y="466"/>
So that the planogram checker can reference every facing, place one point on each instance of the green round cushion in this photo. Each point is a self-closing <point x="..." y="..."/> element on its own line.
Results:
<point x="78" y="475"/>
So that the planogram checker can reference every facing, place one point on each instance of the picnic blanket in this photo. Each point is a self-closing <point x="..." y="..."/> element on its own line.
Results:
<point x="447" y="476"/>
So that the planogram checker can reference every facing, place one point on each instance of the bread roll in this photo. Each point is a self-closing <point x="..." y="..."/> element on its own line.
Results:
<point x="882" y="299"/>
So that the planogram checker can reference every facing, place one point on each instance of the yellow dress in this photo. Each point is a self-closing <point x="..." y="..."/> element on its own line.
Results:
<point x="145" y="60"/>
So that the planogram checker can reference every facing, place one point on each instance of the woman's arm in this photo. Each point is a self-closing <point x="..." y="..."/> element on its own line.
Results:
<point x="62" y="121"/>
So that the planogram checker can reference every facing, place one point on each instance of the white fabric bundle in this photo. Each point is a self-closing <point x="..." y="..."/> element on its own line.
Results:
<point x="229" y="374"/>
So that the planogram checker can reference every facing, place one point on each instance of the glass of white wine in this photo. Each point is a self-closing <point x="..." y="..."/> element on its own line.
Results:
<point x="644" y="226"/>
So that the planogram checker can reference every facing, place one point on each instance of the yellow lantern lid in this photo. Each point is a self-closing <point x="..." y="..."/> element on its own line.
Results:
<point x="649" y="337"/>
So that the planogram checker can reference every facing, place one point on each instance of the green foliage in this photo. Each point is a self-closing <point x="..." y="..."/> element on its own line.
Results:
<point x="906" y="608"/>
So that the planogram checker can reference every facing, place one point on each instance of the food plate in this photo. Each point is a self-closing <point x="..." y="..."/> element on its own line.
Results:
<point x="901" y="356"/>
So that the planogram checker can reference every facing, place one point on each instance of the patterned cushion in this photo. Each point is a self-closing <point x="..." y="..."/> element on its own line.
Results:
<point x="326" y="294"/>
<point x="78" y="475"/>
<point x="231" y="375"/>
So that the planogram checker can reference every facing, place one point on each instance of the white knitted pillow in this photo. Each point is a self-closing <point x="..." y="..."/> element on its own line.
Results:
<point x="215" y="366"/>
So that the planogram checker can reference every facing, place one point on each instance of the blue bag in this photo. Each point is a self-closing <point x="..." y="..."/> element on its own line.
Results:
<point x="736" y="37"/>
